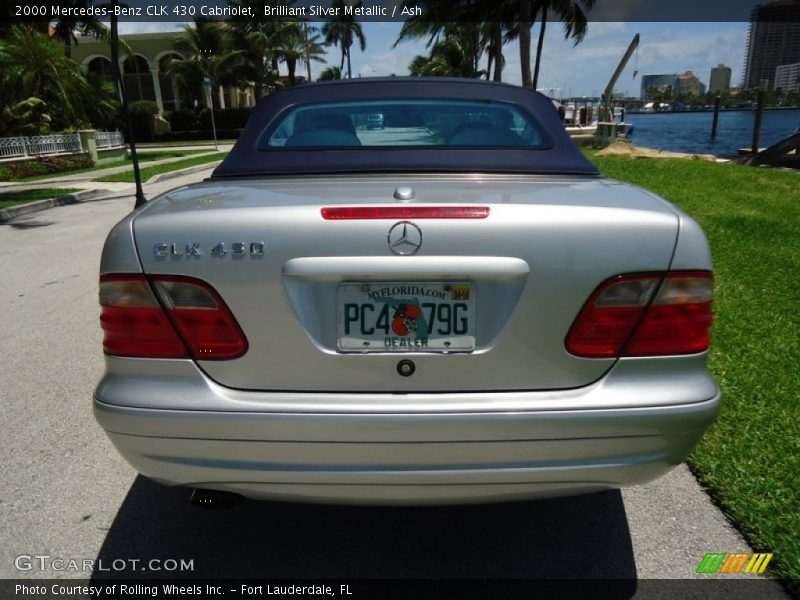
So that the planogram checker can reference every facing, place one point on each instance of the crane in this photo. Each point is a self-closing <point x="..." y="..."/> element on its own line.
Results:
<point x="605" y="129"/>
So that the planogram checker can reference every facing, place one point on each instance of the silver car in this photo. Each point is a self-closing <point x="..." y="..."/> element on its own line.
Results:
<point x="455" y="308"/>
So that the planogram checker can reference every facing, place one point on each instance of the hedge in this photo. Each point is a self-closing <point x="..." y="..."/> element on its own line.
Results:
<point x="44" y="166"/>
<point x="142" y="113"/>
<point x="182" y="120"/>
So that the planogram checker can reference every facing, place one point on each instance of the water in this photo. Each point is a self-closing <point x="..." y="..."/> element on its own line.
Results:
<point x="691" y="132"/>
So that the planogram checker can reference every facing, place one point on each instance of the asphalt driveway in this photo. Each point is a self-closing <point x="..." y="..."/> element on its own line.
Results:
<point x="64" y="491"/>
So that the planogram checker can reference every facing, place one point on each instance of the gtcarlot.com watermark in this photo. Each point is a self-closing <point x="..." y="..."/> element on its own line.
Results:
<point x="45" y="563"/>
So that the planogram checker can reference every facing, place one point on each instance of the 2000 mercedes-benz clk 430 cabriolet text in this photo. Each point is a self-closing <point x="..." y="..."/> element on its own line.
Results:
<point x="455" y="307"/>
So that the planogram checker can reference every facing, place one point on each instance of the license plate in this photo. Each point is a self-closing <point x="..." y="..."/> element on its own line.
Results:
<point x="406" y="317"/>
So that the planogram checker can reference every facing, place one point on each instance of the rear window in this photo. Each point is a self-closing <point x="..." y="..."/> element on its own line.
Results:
<point x="405" y="123"/>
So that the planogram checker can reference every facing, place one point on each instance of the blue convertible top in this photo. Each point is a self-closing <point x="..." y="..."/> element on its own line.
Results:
<point x="249" y="157"/>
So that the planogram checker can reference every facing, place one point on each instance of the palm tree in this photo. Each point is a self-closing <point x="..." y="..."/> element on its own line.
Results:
<point x="298" y="46"/>
<point x="571" y="12"/>
<point x="516" y="18"/>
<point x="312" y="48"/>
<point x="454" y="52"/>
<point x="488" y="22"/>
<point x="65" y="27"/>
<point x="344" y="31"/>
<point x="20" y="118"/>
<point x="256" y="65"/>
<point x="330" y="74"/>
<point x="205" y="47"/>
<point x="539" y="46"/>
<point x="492" y="42"/>
<point x="34" y="66"/>
<point x="104" y="110"/>
<point x="448" y="58"/>
<point x="462" y="38"/>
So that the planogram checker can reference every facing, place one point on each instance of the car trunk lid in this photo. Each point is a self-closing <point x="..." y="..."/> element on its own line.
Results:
<point x="288" y="274"/>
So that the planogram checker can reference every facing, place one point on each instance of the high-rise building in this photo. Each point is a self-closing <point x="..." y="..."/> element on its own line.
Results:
<point x="688" y="83"/>
<point x="787" y="77"/>
<point x="661" y="82"/>
<point x="773" y="40"/>
<point x="720" y="80"/>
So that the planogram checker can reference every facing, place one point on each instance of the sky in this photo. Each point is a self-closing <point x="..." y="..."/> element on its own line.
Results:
<point x="567" y="70"/>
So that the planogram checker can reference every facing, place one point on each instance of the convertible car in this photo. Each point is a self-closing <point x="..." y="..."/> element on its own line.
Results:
<point x="453" y="308"/>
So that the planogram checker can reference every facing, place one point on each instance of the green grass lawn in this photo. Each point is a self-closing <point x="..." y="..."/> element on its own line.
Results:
<point x="123" y="162"/>
<point x="14" y="198"/>
<point x="149" y="156"/>
<point x="750" y="459"/>
<point x="148" y="172"/>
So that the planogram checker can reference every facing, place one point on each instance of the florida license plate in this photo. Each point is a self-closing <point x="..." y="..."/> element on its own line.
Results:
<point x="406" y="317"/>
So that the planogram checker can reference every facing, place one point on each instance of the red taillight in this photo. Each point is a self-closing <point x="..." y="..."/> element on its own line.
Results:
<point x="134" y="322"/>
<point x="679" y="320"/>
<point x="623" y="318"/>
<point x="203" y="320"/>
<point x="196" y="322"/>
<point x="404" y="212"/>
<point x="607" y="320"/>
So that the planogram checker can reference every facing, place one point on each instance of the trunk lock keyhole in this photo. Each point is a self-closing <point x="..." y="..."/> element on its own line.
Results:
<point x="406" y="368"/>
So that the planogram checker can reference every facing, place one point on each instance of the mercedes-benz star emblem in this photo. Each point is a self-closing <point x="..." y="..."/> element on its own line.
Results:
<point x="404" y="238"/>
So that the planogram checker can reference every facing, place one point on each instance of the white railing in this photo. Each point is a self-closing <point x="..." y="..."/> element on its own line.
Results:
<point x="109" y="139"/>
<point x="12" y="146"/>
<point x="53" y="144"/>
<point x="40" y="145"/>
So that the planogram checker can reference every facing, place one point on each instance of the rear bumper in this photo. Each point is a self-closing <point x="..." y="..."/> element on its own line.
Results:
<point x="413" y="457"/>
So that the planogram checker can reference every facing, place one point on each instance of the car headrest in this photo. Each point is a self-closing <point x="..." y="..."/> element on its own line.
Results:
<point x="329" y="120"/>
<point x="324" y="137"/>
<point x="481" y="133"/>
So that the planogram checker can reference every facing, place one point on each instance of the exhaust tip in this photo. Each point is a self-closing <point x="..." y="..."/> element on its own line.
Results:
<point x="214" y="499"/>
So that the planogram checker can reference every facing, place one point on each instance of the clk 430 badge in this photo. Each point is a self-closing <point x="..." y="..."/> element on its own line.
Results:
<point x="218" y="249"/>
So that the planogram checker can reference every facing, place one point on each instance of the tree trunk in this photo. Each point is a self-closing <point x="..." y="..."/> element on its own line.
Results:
<point x="539" y="46"/>
<point x="291" y="65"/>
<point x="489" y="64"/>
<point x="525" y="24"/>
<point x="498" y="53"/>
<point x="475" y="48"/>
<point x="308" y="57"/>
<point x="349" y="69"/>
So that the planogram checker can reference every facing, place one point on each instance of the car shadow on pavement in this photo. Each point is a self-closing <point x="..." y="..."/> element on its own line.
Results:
<point x="583" y="537"/>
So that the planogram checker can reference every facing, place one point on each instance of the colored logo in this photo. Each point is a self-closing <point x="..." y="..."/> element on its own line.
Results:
<point x="405" y="318"/>
<point x="735" y="562"/>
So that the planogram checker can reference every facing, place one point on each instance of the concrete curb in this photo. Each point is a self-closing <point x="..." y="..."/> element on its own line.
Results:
<point x="182" y="172"/>
<point x="12" y="212"/>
